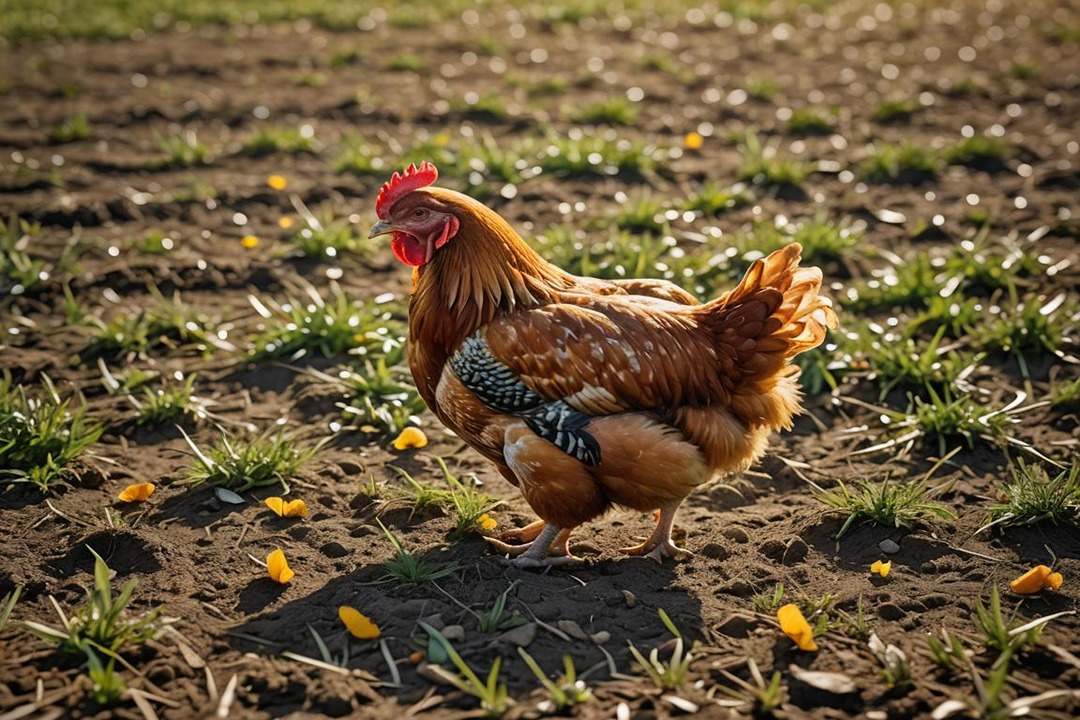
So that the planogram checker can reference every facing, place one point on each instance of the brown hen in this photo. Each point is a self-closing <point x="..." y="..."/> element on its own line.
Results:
<point x="588" y="393"/>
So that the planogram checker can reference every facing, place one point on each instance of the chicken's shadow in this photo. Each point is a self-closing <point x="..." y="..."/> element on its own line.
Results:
<point x="590" y="612"/>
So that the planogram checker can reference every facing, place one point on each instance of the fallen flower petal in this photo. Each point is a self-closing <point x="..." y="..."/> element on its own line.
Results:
<point x="795" y="627"/>
<point x="693" y="141"/>
<point x="358" y="624"/>
<point x="1053" y="581"/>
<point x="287" y="508"/>
<point x="486" y="522"/>
<point x="881" y="568"/>
<point x="410" y="437"/>
<point x="137" y="492"/>
<point x="277" y="182"/>
<point x="1032" y="581"/>
<point x="278" y="567"/>
<point x="249" y="241"/>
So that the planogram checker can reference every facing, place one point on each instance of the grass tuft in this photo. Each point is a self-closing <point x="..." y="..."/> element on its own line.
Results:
<point x="1031" y="496"/>
<point x="242" y="465"/>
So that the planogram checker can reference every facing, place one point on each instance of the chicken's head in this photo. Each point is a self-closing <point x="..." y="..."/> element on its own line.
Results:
<point x="418" y="223"/>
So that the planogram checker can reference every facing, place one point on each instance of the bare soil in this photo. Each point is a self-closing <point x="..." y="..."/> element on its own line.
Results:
<point x="189" y="552"/>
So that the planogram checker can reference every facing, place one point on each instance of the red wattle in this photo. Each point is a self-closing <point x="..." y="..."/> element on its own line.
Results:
<point x="408" y="249"/>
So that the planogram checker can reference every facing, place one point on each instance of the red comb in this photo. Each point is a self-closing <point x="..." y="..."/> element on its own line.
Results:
<point x="401" y="184"/>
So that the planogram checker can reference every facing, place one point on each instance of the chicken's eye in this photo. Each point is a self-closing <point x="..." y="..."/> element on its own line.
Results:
<point x="420" y="212"/>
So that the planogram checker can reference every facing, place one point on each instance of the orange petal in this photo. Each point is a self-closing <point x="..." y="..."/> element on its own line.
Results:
<point x="693" y="141"/>
<point x="1053" y="580"/>
<point x="1032" y="581"/>
<point x="881" y="568"/>
<point x="137" y="492"/>
<point x="284" y="508"/>
<point x="277" y="182"/>
<point x="487" y="522"/>
<point x="278" y="567"/>
<point x="410" y="437"/>
<point x="249" y="241"/>
<point x="795" y="627"/>
<point x="358" y="623"/>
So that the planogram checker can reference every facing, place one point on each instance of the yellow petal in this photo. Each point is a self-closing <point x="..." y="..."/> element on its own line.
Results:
<point x="278" y="567"/>
<point x="410" y="437"/>
<point x="290" y="508"/>
<point x="1032" y="581"/>
<point x="1053" y="580"/>
<point x="285" y="222"/>
<point x="486" y="522"/>
<point x="881" y="568"/>
<point x="277" y="182"/>
<point x="795" y="627"/>
<point x="358" y="623"/>
<point x="249" y="241"/>
<point x="693" y="141"/>
<point x="137" y="492"/>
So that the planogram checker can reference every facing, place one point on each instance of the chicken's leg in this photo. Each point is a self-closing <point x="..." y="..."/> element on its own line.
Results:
<point x="537" y="554"/>
<point x="559" y="545"/>
<point x="659" y="544"/>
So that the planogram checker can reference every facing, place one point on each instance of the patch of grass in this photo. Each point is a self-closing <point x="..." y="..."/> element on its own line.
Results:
<point x="380" y="395"/>
<point x="495" y="619"/>
<point x="7" y="605"/>
<point x="641" y="214"/>
<point x="576" y="154"/>
<point x="491" y="693"/>
<point x="807" y="121"/>
<point x="768" y="603"/>
<point x="1024" y="70"/>
<point x="564" y="692"/>
<point x="70" y="129"/>
<point x="947" y="418"/>
<point x="949" y="652"/>
<point x="41" y="435"/>
<point x="1031" y="496"/>
<point x="359" y="157"/>
<point x="98" y="625"/>
<point x="976" y="150"/>
<point x="329" y="326"/>
<point x="23" y="273"/>
<point x="906" y="162"/>
<point x="765" y="697"/>
<point x="899" y="505"/>
<point x="1064" y="392"/>
<point x="269" y="140"/>
<point x="405" y="63"/>
<point x="263" y="460"/>
<point x="895" y="670"/>
<point x="407" y="567"/>
<point x="469" y="504"/>
<point x="767" y="164"/>
<point x="908" y="283"/>
<point x="155" y="242"/>
<point x="106" y="685"/>
<point x="761" y="87"/>
<point x="322" y="234"/>
<point x="620" y="255"/>
<point x="181" y="150"/>
<point x="997" y="631"/>
<point x="910" y="364"/>
<point x="170" y="403"/>
<point x="666" y="675"/>
<point x="714" y="199"/>
<point x="1035" y="327"/>
<point x="168" y="323"/>
<point x="612" y="111"/>
<point x="891" y="111"/>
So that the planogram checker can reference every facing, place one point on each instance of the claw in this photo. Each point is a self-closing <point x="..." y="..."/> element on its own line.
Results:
<point x="524" y="534"/>
<point x="524" y="561"/>
<point x="557" y="546"/>
<point x="659" y="545"/>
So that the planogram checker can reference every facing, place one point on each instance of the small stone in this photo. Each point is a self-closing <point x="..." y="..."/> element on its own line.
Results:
<point x="795" y="552"/>
<point x="630" y="598"/>
<point x="600" y="637"/>
<point x="889" y="546"/>
<point x="521" y="636"/>
<point x="736" y="534"/>
<point x="453" y="632"/>
<point x="334" y="550"/>
<point x="716" y="551"/>
<point x="572" y="629"/>
<point x="772" y="549"/>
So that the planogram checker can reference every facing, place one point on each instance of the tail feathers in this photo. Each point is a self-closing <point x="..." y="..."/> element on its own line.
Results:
<point x="775" y="313"/>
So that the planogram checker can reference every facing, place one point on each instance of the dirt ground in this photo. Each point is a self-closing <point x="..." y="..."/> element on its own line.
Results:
<point x="999" y="68"/>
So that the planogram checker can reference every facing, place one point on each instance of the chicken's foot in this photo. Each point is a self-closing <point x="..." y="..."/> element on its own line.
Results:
<point x="524" y="534"/>
<point x="659" y="545"/>
<point x="540" y="553"/>
<point x="559" y="545"/>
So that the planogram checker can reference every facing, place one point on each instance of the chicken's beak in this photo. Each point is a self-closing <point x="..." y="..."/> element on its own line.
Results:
<point x="380" y="228"/>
